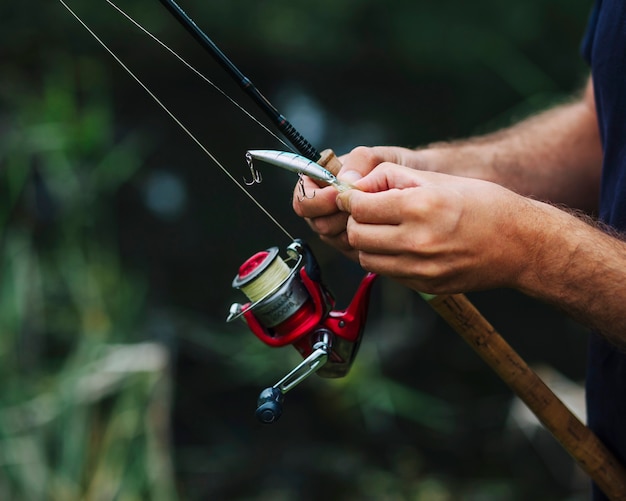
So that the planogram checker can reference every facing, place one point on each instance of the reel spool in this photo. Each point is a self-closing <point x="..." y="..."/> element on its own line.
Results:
<point x="279" y="299"/>
<point x="293" y="306"/>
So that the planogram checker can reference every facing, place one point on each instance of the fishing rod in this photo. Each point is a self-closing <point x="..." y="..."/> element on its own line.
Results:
<point x="295" y="138"/>
<point x="456" y="309"/>
<point x="292" y="306"/>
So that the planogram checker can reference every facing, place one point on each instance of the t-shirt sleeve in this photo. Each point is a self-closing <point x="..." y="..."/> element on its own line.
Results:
<point x="586" y="45"/>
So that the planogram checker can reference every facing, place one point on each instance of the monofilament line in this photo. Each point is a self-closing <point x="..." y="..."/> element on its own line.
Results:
<point x="275" y="274"/>
<point x="176" y="120"/>
<point x="200" y="74"/>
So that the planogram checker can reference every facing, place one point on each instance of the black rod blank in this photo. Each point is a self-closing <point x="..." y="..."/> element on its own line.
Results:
<point x="289" y="131"/>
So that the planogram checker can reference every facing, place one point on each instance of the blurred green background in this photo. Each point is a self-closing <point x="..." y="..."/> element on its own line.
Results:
<point x="119" y="238"/>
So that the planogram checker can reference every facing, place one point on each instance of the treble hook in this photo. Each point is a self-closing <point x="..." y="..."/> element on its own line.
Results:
<point x="302" y="191"/>
<point x="256" y="175"/>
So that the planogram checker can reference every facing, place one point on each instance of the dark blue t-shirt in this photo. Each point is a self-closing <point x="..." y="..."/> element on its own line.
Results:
<point x="604" y="47"/>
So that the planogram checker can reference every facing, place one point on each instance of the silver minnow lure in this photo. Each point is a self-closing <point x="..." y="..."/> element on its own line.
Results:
<point x="300" y="165"/>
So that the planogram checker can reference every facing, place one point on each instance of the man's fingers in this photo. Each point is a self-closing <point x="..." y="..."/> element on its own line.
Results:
<point x="328" y="226"/>
<point x="309" y="200"/>
<point x="374" y="208"/>
<point x="375" y="238"/>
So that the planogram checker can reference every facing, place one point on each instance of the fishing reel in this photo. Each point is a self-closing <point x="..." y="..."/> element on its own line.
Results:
<point x="293" y="306"/>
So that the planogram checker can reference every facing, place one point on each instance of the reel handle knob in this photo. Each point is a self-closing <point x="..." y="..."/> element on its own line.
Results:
<point x="269" y="405"/>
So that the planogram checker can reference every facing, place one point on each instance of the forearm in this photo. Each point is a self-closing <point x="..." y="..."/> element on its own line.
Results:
<point x="579" y="267"/>
<point x="553" y="156"/>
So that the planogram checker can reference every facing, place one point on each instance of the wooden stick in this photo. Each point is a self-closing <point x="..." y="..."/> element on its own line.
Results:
<point x="578" y="440"/>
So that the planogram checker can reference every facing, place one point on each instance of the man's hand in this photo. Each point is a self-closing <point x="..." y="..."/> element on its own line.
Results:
<point x="440" y="233"/>
<point x="321" y="212"/>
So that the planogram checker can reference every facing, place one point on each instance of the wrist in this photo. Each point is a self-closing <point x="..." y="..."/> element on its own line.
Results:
<point x="578" y="267"/>
<point x="459" y="158"/>
<point x="561" y="250"/>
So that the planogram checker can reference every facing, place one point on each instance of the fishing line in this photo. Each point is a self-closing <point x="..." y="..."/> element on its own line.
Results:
<point x="275" y="274"/>
<point x="200" y="74"/>
<point x="176" y="120"/>
<point x="305" y="148"/>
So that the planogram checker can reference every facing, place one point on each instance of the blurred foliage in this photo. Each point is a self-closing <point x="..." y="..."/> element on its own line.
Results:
<point x="118" y="377"/>
<point x="83" y="410"/>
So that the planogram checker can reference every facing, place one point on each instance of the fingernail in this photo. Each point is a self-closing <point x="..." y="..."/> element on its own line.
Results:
<point x="350" y="176"/>
<point x="339" y="203"/>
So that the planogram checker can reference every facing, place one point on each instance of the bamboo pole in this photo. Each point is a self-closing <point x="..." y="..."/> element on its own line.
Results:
<point x="578" y="440"/>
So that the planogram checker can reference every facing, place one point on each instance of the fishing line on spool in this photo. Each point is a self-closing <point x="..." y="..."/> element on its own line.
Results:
<point x="273" y="276"/>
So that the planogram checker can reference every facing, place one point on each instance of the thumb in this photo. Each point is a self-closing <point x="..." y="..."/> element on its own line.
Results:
<point x="344" y="200"/>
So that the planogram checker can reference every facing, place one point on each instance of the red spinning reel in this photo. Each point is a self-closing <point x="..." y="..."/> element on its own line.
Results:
<point x="293" y="306"/>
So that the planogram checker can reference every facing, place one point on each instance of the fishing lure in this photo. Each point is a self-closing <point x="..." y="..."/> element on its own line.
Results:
<point x="298" y="164"/>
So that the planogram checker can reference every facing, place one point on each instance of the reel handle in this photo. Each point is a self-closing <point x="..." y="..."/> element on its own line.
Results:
<point x="270" y="401"/>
